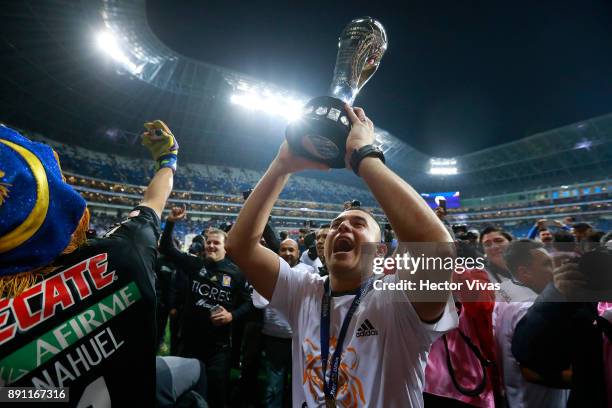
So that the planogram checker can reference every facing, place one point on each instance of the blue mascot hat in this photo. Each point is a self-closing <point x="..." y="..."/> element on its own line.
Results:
<point x="39" y="211"/>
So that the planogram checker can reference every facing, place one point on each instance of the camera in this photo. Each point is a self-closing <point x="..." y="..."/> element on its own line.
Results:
<point x="351" y="204"/>
<point x="388" y="235"/>
<point x="460" y="229"/>
<point x="308" y="224"/>
<point x="91" y="233"/>
<point x="310" y="243"/>
<point x="596" y="266"/>
<point x="466" y="248"/>
<point x="467" y="236"/>
<point x="247" y="193"/>
<point x="442" y="203"/>
<point x="226" y="226"/>
<point x="312" y="253"/>
<point x="196" y="247"/>
<point x="309" y="239"/>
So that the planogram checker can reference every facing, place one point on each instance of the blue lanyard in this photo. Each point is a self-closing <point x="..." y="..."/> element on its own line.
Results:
<point x="331" y="388"/>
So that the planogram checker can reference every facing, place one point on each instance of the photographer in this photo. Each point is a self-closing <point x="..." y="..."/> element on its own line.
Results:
<point x="315" y="256"/>
<point x="217" y="296"/>
<point x="561" y="337"/>
<point x="441" y="212"/>
<point x="532" y="266"/>
<point x="469" y="239"/>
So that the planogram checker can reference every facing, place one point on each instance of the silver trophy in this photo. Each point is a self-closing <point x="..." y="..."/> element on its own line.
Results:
<point x="321" y="133"/>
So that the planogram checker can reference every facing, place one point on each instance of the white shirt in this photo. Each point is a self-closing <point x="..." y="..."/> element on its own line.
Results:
<point x="385" y="350"/>
<point x="274" y="324"/>
<point x="513" y="292"/>
<point x="304" y="267"/>
<point x="306" y="260"/>
<point x="510" y="291"/>
<point x="519" y="392"/>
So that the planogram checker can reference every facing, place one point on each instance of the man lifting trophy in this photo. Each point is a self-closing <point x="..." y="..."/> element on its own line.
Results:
<point x="320" y="135"/>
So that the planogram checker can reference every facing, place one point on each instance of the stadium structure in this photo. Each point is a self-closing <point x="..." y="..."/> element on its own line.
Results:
<point x="84" y="76"/>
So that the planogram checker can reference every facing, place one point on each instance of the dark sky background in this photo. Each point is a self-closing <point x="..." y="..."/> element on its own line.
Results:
<point x="458" y="76"/>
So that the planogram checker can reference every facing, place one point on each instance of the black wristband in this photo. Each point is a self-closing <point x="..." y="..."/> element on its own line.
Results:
<point x="366" y="151"/>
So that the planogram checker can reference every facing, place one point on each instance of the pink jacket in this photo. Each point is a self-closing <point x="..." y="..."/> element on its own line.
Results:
<point x="476" y="322"/>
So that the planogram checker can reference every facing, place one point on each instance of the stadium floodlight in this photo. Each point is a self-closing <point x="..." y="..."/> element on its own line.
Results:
<point x="443" y="167"/>
<point x="584" y="144"/>
<point x="109" y="44"/>
<point x="273" y="103"/>
<point x="443" y="171"/>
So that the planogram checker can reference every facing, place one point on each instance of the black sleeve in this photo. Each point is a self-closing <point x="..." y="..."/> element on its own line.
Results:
<point x="243" y="302"/>
<point x="271" y="240"/>
<point x="178" y="289"/>
<point x="141" y="232"/>
<point x="164" y="277"/>
<point x="183" y="261"/>
<point x="540" y="340"/>
<point x="172" y="290"/>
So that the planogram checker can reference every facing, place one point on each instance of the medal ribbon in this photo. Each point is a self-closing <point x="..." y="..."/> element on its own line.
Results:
<point x="331" y="388"/>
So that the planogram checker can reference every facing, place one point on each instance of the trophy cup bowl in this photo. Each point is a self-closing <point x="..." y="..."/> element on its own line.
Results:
<point x="320" y="134"/>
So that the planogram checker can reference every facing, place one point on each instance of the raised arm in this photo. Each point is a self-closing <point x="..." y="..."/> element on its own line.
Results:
<point x="259" y="264"/>
<point x="271" y="240"/>
<point x="533" y="231"/>
<point x="158" y="191"/>
<point x="409" y="215"/>
<point x="184" y="262"/>
<point x="164" y="149"/>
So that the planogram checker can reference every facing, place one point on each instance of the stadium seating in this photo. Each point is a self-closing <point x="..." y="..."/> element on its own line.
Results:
<point x="197" y="177"/>
<point x="213" y="195"/>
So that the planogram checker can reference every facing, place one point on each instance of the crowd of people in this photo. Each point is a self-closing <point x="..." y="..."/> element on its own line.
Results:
<point x="297" y="313"/>
<point x="292" y="213"/>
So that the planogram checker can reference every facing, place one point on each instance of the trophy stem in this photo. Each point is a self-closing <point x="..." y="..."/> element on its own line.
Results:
<point x="343" y="92"/>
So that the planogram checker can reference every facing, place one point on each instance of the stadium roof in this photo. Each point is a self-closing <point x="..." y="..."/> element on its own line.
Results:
<point x="56" y="81"/>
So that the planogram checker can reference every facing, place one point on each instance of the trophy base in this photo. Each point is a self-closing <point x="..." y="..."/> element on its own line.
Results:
<point x="320" y="135"/>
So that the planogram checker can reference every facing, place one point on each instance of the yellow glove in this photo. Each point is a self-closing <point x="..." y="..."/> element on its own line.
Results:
<point x="161" y="143"/>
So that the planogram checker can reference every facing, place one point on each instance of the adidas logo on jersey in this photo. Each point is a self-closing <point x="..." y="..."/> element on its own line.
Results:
<point x="366" y="329"/>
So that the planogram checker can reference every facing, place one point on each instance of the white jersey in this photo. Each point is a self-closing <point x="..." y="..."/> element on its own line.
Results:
<point x="306" y="260"/>
<point x="509" y="291"/>
<point x="385" y="350"/>
<point x="519" y="392"/>
<point x="304" y="267"/>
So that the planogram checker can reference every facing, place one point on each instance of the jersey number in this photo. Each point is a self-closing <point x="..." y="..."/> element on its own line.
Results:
<point x="95" y="395"/>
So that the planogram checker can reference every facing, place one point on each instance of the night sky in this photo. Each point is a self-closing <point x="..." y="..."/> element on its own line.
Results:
<point x="458" y="76"/>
